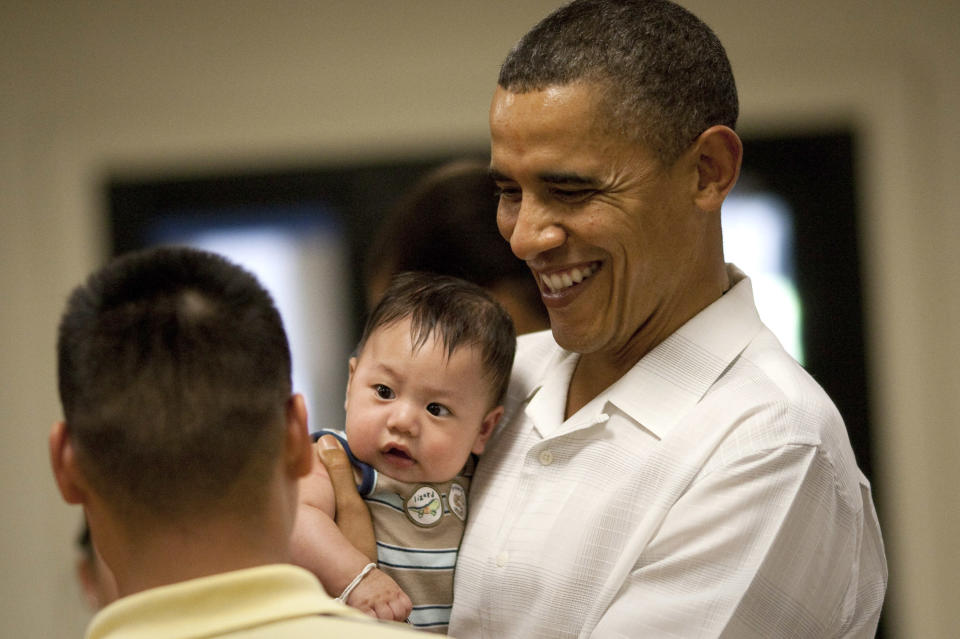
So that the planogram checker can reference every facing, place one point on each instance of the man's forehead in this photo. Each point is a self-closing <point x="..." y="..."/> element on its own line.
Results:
<point x="554" y="136"/>
<point x="577" y="99"/>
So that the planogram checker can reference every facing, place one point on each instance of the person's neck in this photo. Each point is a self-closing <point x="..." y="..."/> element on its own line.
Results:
<point x="175" y="553"/>
<point x="595" y="372"/>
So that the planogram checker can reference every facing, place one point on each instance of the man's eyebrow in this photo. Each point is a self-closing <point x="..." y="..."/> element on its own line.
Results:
<point x="566" y="179"/>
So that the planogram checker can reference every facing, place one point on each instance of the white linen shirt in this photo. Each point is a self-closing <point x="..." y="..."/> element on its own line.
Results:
<point x="711" y="491"/>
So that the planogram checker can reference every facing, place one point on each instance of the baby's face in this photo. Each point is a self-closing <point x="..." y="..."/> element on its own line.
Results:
<point x="417" y="416"/>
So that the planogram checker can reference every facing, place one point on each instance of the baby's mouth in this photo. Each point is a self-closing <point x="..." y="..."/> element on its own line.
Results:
<point x="398" y="455"/>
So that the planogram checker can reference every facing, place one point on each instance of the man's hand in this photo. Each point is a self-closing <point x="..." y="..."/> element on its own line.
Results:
<point x="352" y="516"/>
<point x="379" y="596"/>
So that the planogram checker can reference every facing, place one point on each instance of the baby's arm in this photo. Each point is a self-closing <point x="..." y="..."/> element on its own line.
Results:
<point x="352" y="515"/>
<point x="319" y="546"/>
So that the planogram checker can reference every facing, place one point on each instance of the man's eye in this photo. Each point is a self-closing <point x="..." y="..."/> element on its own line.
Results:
<point x="438" y="410"/>
<point x="578" y="195"/>
<point x="383" y="392"/>
<point x="509" y="193"/>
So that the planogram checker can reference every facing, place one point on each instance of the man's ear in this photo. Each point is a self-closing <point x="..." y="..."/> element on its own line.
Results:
<point x="298" y="447"/>
<point x="719" y="152"/>
<point x="63" y="461"/>
<point x="487" y="427"/>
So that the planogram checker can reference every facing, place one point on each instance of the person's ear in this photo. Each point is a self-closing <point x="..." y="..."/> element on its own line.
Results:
<point x="351" y="369"/>
<point x="298" y="447"/>
<point x="719" y="152"/>
<point x="487" y="427"/>
<point x="63" y="461"/>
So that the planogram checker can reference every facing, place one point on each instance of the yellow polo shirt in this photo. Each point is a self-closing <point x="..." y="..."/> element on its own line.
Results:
<point x="276" y="601"/>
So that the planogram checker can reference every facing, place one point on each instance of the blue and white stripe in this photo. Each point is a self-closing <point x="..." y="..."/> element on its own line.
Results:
<point x="416" y="558"/>
<point x="430" y="616"/>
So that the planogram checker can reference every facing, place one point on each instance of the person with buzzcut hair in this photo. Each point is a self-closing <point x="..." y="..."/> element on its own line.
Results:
<point x="664" y="468"/>
<point x="184" y="444"/>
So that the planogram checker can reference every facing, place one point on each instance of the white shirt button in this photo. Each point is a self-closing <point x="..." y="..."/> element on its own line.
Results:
<point x="546" y="457"/>
<point x="502" y="559"/>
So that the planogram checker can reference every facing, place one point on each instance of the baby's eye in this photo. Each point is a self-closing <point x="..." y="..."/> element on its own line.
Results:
<point x="383" y="392"/>
<point x="438" y="410"/>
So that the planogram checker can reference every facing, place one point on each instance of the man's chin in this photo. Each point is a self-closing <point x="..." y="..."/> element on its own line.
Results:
<point x="576" y="340"/>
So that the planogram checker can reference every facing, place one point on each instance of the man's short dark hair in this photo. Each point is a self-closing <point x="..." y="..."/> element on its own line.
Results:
<point x="174" y="375"/>
<point x="457" y="313"/>
<point x="663" y="76"/>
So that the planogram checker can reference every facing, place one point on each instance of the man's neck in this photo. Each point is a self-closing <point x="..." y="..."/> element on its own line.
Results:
<point x="595" y="372"/>
<point x="172" y="554"/>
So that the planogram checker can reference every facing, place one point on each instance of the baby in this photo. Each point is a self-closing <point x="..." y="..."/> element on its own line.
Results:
<point x="423" y="396"/>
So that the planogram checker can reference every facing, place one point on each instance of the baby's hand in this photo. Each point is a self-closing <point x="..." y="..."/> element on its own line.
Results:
<point x="379" y="596"/>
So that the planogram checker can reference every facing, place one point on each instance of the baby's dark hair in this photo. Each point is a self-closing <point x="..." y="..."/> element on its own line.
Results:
<point x="458" y="313"/>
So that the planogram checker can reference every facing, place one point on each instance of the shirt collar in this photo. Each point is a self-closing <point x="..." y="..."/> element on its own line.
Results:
<point x="213" y="605"/>
<point x="669" y="380"/>
<point x="677" y="373"/>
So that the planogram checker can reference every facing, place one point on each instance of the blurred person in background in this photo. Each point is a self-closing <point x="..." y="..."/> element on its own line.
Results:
<point x="446" y="224"/>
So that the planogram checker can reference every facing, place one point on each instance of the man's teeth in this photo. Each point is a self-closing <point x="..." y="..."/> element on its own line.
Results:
<point x="559" y="281"/>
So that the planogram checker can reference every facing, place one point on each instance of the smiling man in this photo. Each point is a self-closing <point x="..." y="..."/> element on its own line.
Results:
<point x="665" y="467"/>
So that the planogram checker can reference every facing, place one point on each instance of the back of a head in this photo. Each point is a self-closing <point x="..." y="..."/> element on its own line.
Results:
<point x="662" y="75"/>
<point x="456" y="313"/>
<point x="174" y="374"/>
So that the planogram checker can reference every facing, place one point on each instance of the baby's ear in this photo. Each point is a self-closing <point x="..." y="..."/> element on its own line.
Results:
<point x="351" y="367"/>
<point x="487" y="427"/>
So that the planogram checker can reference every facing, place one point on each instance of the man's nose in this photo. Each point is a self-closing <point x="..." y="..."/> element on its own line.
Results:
<point x="531" y="229"/>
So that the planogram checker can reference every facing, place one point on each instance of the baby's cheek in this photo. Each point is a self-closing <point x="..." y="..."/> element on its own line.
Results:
<point x="362" y="440"/>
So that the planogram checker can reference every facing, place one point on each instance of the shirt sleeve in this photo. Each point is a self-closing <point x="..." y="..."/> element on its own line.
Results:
<point x="765" y="546"/>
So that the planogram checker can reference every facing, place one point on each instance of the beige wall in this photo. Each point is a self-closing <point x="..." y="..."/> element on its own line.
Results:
<point x="94" y="88"/>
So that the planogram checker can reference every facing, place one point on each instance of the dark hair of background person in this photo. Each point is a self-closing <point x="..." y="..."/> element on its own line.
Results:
<point x="665" y="77"/>
<point x="454" y="312"/>
<point x="174" y="375"/>
<point x="446" y="224"/>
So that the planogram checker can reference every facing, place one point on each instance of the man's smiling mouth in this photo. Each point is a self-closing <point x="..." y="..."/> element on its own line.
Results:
<point x="560" y="280"/>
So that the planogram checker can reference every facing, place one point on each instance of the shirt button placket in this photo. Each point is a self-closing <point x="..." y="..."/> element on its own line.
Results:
<point x="546" y="457"/>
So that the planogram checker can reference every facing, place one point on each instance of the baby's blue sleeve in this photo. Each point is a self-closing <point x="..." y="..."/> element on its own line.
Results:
<point x="368" y="474"/>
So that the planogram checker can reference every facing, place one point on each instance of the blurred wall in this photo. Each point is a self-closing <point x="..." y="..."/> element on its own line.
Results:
<point x="95" y="88"/>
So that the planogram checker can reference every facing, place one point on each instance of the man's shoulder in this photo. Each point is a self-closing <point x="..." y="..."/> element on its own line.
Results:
<point x="771" y="401"/>
<point x="276" y="601"/>
<point x="765" y="373"/>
